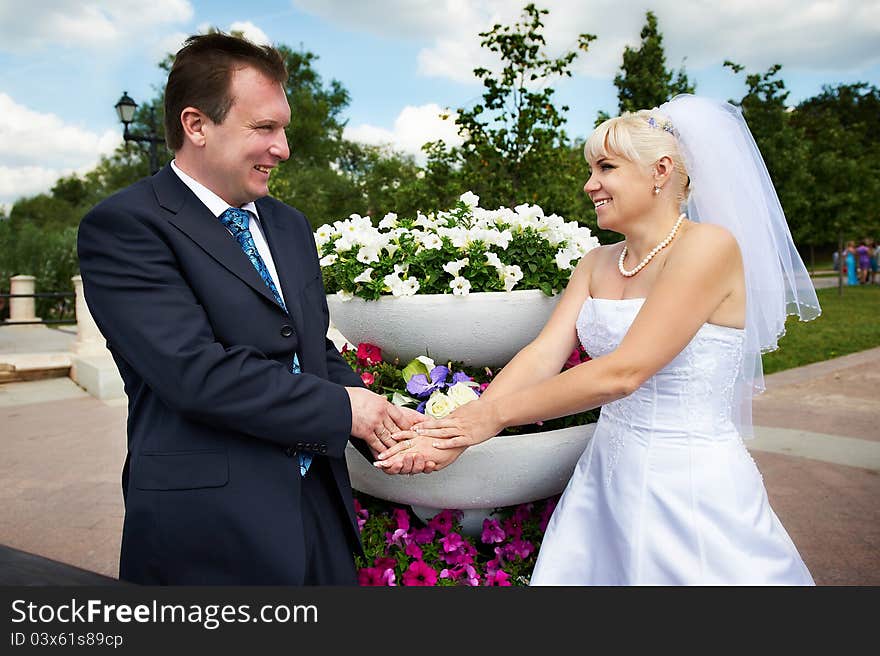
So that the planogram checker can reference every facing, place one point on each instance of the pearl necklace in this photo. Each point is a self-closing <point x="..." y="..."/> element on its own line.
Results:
<point x="650" y="256"/>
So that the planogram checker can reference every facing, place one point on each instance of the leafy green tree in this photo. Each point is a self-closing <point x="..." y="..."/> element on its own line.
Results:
<point x="843" y="136"/>
<point x="783" y="145"/>
<point x="643" y="81"/>
<point x="516" y="149"/>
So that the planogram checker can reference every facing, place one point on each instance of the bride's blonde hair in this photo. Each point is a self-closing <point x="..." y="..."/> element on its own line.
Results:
<point x="644" y="137"/>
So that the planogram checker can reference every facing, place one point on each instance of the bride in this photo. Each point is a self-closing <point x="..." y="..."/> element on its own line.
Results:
<point x="675" y="317"/>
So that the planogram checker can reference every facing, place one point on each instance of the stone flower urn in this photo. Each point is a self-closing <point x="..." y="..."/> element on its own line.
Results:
<point x="478" y="329"/>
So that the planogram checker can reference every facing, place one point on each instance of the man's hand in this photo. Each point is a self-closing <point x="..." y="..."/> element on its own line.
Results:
<point x="375" y="420"/>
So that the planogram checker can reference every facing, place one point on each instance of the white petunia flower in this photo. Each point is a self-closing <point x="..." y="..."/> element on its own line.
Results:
<point x="343" y="244"/>
<point x="460" y="286"/>
<point x="493" y="260"/>
<point x="368" y="254"/>
<point x="470" y="199"/>
<point x="512" y="275"/>
<point x="452" y="268"/>
<point x="366" y="276"/>
<point x="323" y="235"/>
<point x="327" y="260"/>
<point x="564" y="258"/>
<point x="410" y="286"/>
<point x="388" y="221"/>
<point x="344" y="296"/>
<point x="431" y="241"/>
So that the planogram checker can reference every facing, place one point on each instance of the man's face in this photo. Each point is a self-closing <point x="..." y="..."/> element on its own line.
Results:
<point x="240" y="152"/>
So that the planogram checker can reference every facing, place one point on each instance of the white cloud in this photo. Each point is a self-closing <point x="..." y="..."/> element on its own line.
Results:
<point x="799" y="34"/>
<point x="36" y="149"/>
<point x="95" y="24"/>
<point x="413" y="127"/>
<point x="251" y="32"/>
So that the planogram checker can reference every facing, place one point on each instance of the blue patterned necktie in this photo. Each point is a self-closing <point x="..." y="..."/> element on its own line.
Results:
<point x="237" y="221"/>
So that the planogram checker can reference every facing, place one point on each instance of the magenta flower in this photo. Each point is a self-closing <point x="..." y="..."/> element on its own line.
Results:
<point x="401" y="516"/>
<point x="389" y="578"/>
<point x="370" y="576"/>
<point x="464" y="573"/>
<point x="413" y="550"/>
<point x="383" y="563"/>
<point x="498" y="578"/>
<point x="423" y="535"/>
<point x="492" y="532"/>
<point x="523" y="512"/>
<point x="443" y="521"/>
<point x="419" y="573"/>
<point x="368" y="378"/>
<point x="452" y="542"/>
<point x="513" y="528"/>
<point x="520" y="548"/>
<point x="398" y="538"/>
<point x="546" y="513"/>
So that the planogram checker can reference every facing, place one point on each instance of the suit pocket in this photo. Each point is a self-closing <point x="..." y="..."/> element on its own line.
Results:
<point x="180" y="470"/>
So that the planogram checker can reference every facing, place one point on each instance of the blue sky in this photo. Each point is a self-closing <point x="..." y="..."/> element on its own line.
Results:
<point x="64" y="63"/>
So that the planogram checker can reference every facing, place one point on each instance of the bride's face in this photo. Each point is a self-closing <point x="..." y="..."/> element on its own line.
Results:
<point x="620" y="190"/>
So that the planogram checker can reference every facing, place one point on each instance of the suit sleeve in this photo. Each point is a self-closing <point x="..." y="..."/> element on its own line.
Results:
<point x="143" y="305"/>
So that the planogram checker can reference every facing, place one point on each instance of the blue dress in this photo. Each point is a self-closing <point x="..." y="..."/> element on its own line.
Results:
<point x="851" y="278"/>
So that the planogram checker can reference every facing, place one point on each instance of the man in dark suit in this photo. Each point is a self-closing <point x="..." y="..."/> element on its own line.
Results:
<point x="210" y="296"/>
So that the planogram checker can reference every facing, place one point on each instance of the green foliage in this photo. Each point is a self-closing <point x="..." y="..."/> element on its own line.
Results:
<point x="48" y="254"/>
<point x="516" y="150"/>
<point x="644" y="82"/>
<point x="842" y="134"/>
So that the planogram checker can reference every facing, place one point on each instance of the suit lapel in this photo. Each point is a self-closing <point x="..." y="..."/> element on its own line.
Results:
<point x="287" y="256"/>
<point x="196" y="221"/>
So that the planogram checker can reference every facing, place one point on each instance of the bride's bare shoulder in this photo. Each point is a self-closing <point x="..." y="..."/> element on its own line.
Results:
<point x="707" y="238"/>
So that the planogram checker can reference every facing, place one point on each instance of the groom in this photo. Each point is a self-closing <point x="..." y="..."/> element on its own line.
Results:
<point x="210" y="295"/>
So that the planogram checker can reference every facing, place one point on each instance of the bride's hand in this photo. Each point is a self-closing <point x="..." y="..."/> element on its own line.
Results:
<point x="470" y="424"/>
<point x="414" y="456"/>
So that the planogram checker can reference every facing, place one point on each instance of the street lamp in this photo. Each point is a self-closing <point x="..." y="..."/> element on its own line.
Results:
<point x="125" y="109"/>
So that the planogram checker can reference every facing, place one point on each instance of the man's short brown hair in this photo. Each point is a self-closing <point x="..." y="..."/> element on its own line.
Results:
<point x="201" y="75"/>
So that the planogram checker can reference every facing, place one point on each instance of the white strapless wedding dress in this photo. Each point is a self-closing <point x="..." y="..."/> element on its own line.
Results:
<point x="666" y="493"/>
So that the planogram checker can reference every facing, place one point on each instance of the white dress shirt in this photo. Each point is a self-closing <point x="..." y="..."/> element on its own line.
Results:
<point x="217" y="206"/>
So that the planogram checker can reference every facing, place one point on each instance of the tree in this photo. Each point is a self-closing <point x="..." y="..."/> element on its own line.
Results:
<point x="515" y="149"/>
<point x="783" y="145"/>
<point x="644" y="82"/>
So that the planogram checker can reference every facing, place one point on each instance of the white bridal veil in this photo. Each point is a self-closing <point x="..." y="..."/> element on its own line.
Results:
<point x="730" y="186"/>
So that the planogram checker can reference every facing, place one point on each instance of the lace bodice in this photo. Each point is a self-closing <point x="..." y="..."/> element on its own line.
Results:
<point x="692" y="395"/>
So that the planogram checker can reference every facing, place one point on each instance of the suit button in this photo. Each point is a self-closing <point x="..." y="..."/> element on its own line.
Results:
<point x="286" y="331"/>
<point x="289" y="451"/>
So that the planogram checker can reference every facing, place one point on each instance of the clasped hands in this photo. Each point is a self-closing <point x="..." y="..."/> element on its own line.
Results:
<point x="429" y="445"/>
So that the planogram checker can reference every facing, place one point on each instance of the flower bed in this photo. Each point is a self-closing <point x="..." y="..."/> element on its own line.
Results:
<point x="403" y="551"/>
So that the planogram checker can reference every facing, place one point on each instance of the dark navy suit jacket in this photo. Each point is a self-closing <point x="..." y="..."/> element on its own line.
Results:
<point x="211" y="483"/>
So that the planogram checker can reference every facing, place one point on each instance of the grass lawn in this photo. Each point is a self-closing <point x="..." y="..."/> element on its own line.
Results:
<point x="848" y="324"/>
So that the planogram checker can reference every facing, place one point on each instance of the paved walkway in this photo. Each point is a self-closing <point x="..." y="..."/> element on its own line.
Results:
<point x="818" y="447"/>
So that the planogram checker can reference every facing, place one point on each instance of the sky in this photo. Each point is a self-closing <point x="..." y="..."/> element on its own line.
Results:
<point x="65" y="63"/>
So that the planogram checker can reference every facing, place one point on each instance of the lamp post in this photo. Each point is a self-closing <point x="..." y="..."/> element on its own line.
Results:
<point x="125" y="109"/>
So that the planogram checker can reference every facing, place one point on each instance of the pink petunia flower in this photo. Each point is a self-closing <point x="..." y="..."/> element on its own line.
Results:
<point x="383" y="563"/>
<point x="401" y="516"/>
<point x="389" y="578"/>
<point x="368" y="378"/>
<point x="413" y="550"/>
<point x="492" y="532"/>
<point x="370" y="576"/>
<point x="419" y="573"/>
<point x="520" y="548"/>
<point x="423" y="535"/>
<point x="498" y="578"/>
<point x="443" y="521"/>
<point x="398" y="537"/>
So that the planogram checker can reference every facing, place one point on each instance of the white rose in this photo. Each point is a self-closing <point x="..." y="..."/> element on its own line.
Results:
<point x="439" y="405"/>
<point x="461" y="393"/>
